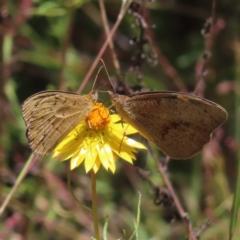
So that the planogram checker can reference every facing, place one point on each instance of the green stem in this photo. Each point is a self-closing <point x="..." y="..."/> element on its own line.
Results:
<point x="23" y="173"/>
<point x="94" y="205"/>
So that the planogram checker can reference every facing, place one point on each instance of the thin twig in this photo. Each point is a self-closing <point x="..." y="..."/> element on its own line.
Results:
<point x="107" y="31"/>
<point x="209" y="32"/>
<point x="32" y="159"/>
<point x="73" y="194"/>
<point x="162" y="60"/>
<point x="120" y="17"/>
<point x="142" y="173"/>
<point x="176" y="201"/>
<point x="203" y="227"/>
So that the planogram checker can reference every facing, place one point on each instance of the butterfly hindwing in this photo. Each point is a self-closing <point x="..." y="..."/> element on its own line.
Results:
<point x="178" y="123"/>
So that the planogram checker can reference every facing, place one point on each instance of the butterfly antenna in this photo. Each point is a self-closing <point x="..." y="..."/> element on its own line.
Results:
<point x="96" y="77"/>
<point x="107" y="74"/>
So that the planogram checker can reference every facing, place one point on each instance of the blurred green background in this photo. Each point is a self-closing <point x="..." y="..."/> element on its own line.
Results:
<point x="51" y="45"/>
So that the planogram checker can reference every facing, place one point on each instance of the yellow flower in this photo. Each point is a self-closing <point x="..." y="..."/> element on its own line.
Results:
<point x="100" y="139"/>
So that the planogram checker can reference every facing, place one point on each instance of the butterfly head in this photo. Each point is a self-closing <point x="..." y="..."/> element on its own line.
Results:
<point x="94" y="96"/>
<point x="117" y="99"/>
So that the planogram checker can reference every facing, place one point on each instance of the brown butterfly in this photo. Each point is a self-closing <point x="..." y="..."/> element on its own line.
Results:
<point x="178" y="123"/>
<point x="51" y="115"/>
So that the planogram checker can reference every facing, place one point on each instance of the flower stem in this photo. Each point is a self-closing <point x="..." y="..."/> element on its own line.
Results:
<point x="94" y="205"/>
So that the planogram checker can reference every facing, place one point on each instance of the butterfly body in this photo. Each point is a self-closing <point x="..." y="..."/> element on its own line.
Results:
<point x="178" y="123"/>
<point x="50" y="115"/>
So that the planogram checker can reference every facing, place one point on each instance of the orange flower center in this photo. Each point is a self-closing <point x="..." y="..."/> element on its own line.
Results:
<point x="99" y="117"/>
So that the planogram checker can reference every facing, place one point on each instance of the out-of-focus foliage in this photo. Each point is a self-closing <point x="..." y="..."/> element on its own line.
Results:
<point x="51" y="45"/>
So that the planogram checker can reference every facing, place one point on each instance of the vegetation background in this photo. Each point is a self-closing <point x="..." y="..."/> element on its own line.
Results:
<point x="161" y="45"/>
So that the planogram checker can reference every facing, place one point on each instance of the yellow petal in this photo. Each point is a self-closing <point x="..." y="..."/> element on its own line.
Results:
<point x="103" y="155"/>
<point x="96" y="165"/>
<point x="78" y="158"/>
<point x="115" y="118"/>
<point x="125" y="156"/>
<point x="112" y="166"/>
<point x="134" y="143"/>
<point x="90" y="157"/>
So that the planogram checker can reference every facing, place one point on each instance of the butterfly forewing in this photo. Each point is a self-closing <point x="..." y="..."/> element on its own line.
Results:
<point x="51" y="115"/>
<point x="178" y="123"/>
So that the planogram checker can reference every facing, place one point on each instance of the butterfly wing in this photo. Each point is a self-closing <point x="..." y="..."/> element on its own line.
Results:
<point x="178" y="123"/>
<point x="50" y="115"/>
